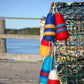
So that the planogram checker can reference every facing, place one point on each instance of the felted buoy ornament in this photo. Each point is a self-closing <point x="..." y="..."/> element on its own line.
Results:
<point x="53" y="77"/>
<point x="49" y="28"/>
<point x="61" y="28"/>
<point x="46" y="67"/>
<point x="45" y="49"/>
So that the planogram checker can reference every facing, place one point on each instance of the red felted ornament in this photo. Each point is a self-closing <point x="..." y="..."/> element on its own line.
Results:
<point x="61" y="28"/>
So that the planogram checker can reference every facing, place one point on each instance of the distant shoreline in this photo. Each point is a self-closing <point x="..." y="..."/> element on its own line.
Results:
<point x="25" y="31"/>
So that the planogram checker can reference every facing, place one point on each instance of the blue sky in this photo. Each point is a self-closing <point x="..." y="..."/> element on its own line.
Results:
<point x="25" y="8"/>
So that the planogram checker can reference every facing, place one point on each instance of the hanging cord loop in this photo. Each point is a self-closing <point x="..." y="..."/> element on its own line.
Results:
<point x="53" y="57"/>
<point x="55" y="60"/>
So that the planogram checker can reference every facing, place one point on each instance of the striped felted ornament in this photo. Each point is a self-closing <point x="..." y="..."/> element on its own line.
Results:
<point x="43" y="78"/>
<point x="53" y="77"/>
<point x="45" y="49"/>
<point x="61" y="28"/>
<point x="49" y="28"/>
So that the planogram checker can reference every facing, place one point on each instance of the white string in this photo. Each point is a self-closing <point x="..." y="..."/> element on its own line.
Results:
<point x="56" y="8"/>
<point x="51" y="58"/>
<point x="49" y="49"/>
<point x="53" y="8"/>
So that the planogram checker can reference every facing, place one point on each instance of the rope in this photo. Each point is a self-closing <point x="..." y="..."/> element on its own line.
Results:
<point x="64" y="48"/>
<point x="66" y="60"/>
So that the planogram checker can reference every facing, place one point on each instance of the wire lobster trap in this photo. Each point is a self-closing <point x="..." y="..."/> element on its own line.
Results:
<point x="71" y="67"/>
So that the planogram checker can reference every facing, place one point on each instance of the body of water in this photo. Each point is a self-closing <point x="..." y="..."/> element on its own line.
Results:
<point x="27" y="46"/>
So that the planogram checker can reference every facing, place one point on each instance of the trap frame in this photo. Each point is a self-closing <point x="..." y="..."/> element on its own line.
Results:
<point x="71" y="66"/>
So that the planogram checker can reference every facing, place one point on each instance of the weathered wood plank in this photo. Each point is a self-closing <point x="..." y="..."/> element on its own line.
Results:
<point x="19" y="72"/>
<point x="2" y="41"/>
<point x="21" y="57"/>
<point x="19" y="36"/>
<point x="20" y="18"/>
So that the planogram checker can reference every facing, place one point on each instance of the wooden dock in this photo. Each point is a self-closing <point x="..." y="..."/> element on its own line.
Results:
<point x="18" y="36"/>
<point x="19" y="72"/>
<point x="21" y="57"/>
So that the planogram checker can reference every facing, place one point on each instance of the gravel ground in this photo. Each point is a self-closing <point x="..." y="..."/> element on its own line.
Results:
<point x="19" y="72"/>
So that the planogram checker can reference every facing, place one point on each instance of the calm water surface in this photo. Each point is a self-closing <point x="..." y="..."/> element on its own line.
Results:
<point x="27" y="46"/>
